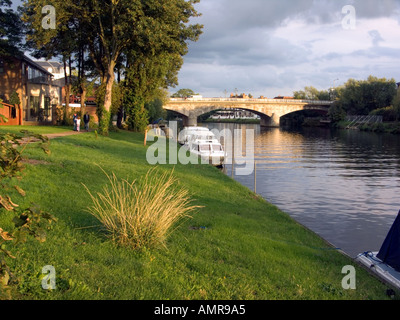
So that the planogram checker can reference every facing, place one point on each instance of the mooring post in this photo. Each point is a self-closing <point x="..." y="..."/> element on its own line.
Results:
<point x="233" y="154"/>
<point x="255" y="176"/>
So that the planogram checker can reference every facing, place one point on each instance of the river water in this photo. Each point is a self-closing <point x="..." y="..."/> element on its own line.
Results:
<point x="342" y="184"/>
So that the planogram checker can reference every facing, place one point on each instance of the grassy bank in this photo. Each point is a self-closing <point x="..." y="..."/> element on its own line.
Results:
<point x="237" y="246"/>
<point x="383" y="127"/>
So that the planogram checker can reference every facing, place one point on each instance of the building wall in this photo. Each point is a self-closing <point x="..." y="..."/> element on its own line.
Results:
<point x="10" y="81"/>
<point x="10" y="78"/>
<point x="12" y="113"/>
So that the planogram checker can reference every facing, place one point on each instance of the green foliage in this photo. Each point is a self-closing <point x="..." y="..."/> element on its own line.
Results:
<point x="117" y="97"/>
<point x="103" y="115"/>
<point x="137" y="115"/>
<point x="28" y="222"/>
<point x="362" y="97"/>
<point x="336" y="113"/>
<point x="151" y="36"/>
<point x="388" y="113"/>
<point x="104" y="120"/>
<point x="311" y="93"/>
<point x="155" y="110"/>
<point x="183" y="93"/>
<point x="396" y="104"/>
<point x="14" y="98"/>
<point x="10" y="30"/>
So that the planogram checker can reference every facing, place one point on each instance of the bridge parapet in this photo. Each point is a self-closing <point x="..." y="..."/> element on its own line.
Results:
<point x="251" y="100"/>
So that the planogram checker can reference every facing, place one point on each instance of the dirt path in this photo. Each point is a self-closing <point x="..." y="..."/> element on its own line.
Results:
<point x="63" y="134"/>
<point x="50" y="136"/>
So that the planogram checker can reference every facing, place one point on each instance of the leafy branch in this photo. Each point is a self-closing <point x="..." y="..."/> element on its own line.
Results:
<point x="30" y="222"/>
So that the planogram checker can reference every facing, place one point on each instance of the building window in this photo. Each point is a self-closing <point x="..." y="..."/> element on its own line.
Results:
<point x="47" y="107"/>
<point x="13" y="112"/>
<point x="34" y="106"/>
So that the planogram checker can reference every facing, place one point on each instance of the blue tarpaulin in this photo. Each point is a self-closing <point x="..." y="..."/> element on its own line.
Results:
<point x="390" y="250"/>
<point x="158" y="121"/>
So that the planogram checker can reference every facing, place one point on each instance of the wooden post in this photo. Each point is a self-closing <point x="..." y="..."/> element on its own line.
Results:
<point x="145" y="136"/>
<point x="255" y="176"/>
<point x="19" y="114"/>
<point x="233" y="154"/>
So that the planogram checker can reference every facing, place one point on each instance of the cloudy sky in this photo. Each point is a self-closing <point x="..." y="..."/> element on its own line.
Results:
<point x="275" y="47"/>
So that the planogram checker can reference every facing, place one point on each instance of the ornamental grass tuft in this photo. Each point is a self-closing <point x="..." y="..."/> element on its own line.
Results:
<point x="141" y="214"/>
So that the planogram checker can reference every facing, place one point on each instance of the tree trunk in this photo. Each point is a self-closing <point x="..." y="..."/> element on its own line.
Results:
<point x="120" y="117"/>
<point x="106" y="114"/>
<point x="66" y="85"/>
<point x="83" y="98"/>
<point x="110" y="77"/>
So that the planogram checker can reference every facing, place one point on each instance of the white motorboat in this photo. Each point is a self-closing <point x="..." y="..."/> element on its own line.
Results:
<point x="187" y="133"/>
<point x="202" y="142"/>
<point x="380" y="268"/>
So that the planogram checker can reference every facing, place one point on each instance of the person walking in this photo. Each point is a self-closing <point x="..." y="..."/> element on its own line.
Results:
<point x="78" y="124"/>
<point x="86" y="120"/>
<point x="75" y="117"/>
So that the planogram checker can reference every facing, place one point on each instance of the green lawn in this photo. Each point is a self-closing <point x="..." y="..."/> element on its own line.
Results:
<point x="35" y="129"/>
<point x="237" y="246"/>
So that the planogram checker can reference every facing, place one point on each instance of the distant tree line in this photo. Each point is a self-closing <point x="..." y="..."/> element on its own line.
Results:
<point x="311" y="93"/>
<point x="376" y="96"/>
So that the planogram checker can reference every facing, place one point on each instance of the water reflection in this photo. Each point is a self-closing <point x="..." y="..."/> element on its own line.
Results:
<point x="344" y="185"/>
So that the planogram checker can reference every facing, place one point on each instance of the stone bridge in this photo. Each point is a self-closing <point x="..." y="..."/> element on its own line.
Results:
<point x="269" y="110"/>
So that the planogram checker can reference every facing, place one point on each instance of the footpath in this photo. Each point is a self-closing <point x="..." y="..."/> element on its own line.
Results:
<point x="62" y="134"/>
<point x="50" y="136"/>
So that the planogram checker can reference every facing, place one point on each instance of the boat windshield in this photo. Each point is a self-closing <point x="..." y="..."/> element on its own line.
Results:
<point x="204" y="147"/>
<point x="217" y="147"/>
<point x="202" y="137"/>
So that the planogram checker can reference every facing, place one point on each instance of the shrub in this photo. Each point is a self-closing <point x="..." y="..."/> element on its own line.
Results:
<point x="388" y="113"/>
<point x="142" y="214"/>
<point x="29" y="222"/>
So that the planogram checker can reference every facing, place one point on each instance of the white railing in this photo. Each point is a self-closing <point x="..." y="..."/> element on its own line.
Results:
<point x="318" y="102"/>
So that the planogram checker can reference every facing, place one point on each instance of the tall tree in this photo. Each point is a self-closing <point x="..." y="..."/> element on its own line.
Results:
<point x="115" y="28"/>
<point x="183" y="93"/>
<point x="153" y="62"/>
<point x="10" y="29"/>
<point x="60" y="41"/>
<point x="146" y="78"/>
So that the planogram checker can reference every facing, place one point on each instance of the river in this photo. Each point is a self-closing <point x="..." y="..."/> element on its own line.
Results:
<point x="342" y="184"/>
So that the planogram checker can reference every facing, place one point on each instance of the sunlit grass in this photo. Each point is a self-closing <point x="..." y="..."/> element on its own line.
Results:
<point x="35" y="129"/>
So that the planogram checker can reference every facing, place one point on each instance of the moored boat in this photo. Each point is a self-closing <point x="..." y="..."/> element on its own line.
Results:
<point x="202" y="142"/>
<point x="187" y="133"/>
<point x="386" y="262"/>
